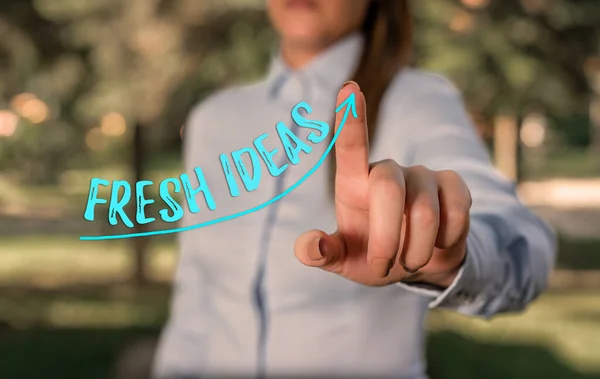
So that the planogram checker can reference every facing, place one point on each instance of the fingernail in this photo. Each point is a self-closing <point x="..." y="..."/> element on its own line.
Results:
<point x="315" y="250"/>
<point x="381" y="266"/>
<point x="350" y="82"/>
<point x="325" y="248"/>
<point x="410" y="271"/>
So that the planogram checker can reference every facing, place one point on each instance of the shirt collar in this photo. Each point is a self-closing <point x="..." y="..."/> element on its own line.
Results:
<point x="329" y="70"/>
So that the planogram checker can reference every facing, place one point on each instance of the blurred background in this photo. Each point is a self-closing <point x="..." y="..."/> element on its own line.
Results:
<point x="102" y="88"/>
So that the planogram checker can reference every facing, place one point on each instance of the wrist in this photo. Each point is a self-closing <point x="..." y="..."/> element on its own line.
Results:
<point x="441" y="280"/>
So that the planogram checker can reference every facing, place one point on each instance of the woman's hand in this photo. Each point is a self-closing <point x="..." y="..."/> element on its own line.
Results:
<point x="394" y="223"/>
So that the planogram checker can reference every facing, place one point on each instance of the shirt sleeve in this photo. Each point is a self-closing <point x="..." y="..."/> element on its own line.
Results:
<point x="182" y="340"/>
<point x="510" y="251"/>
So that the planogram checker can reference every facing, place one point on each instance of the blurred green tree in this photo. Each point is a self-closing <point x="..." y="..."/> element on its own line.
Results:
<point x="89" y="82"/>
<point x="509" y="55"/>
<point x="148" y="61"/>
<point x="102" y="68"/>
<point x="116" y="75"/>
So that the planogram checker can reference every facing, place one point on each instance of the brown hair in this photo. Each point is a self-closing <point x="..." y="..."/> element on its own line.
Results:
<point x="387" y="31"/>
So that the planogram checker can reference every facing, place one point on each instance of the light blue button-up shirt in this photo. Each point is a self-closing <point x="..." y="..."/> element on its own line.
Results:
<point x="244" y="305"/>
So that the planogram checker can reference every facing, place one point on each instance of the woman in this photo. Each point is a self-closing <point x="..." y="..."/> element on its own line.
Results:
<point x="335" y="280"/>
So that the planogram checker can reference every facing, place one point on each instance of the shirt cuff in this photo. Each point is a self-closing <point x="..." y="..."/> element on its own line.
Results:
<point x="467" y="289"/>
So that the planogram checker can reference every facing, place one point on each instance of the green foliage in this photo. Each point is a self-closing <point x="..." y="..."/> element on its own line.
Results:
<point x="509" y="54"/>
<point x="152" y="60"/>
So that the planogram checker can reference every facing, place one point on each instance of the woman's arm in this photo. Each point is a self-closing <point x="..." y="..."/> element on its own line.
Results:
<point x="510" y="251"/>
<point x="444" y="217"/>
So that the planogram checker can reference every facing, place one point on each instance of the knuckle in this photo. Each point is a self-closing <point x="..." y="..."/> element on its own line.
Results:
<point x="389" y="163"/>
<point x="457" y="215"/>
<point x="378" y="168"/>
<point x="448" y="174"/>
<point x="361" y="119"/>
<point x="386" y="170"/>
<point x="419" y="169"/>
<point x="389" y="188"/>
<point x="424" y="216"/>
<point x="451" y="177"/>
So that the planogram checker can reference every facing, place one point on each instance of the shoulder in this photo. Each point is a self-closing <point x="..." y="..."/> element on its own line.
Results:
<point x="412" y="86"/>
<point x="422" y="97"/>
<point x="419" y="103"/>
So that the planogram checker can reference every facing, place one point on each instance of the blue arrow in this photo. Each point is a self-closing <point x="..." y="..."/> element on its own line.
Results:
<point x="349" y="105"/>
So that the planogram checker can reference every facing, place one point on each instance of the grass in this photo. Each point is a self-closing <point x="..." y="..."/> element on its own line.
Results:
<point x="54" y="261"/>
<point x="81" y="336"/>
<point x="65" y="353"/>
<point x="59" y="320"/>
<point x="579" y="254"/>
<point x="74" y="331"/>
<point x="566" y="325"/>
<point x="58" y="260"/>
<point x="455" y="355"/>
<point x="69" y="195"/>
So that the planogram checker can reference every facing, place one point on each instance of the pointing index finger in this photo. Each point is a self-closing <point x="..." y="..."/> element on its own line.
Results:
<point x="352" y="145"/>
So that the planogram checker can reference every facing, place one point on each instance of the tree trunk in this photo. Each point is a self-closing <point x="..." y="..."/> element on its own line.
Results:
<point x="595" y="130"/>
<point x="140" y="244"/>
<point x="506" y="145"/>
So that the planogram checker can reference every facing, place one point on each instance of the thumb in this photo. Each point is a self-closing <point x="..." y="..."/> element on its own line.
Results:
<point x="316" y="248"/>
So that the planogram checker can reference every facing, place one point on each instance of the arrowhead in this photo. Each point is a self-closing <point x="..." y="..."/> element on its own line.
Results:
<point x="349" y="103"/>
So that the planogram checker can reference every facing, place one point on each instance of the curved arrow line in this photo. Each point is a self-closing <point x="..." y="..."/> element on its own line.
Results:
<point x="351" y="105"/>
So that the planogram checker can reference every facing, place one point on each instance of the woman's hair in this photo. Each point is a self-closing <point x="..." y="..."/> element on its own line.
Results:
<point x="387" y="31"/>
